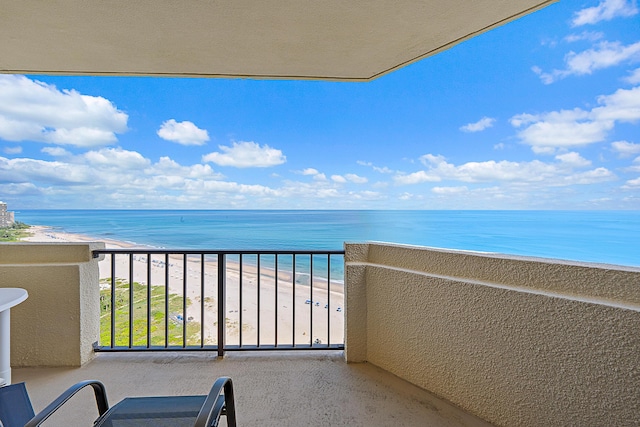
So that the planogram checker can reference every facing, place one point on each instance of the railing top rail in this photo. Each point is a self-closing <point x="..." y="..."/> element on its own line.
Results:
<point x="218" y="251"/>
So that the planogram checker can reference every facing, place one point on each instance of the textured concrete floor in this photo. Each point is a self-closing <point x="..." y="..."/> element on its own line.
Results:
<point x="271" y="389"/>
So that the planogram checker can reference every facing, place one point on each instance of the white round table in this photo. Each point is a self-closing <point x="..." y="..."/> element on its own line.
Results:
<point x="9" y="297"/>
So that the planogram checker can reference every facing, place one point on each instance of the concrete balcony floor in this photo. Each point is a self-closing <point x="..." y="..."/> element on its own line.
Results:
<point x="271" y="389"/>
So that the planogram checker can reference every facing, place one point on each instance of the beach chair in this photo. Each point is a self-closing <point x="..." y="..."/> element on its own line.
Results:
<point x="175" y="411"/>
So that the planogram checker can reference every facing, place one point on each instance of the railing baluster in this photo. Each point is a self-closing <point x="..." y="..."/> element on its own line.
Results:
<point x="130" y="300"/>
<point x="259" y="275"/>
<point x="148" y="300"/>
<point x="113" y="299"/>
<point x="202" y="274"/>
<point x="293" y="286"/>
<point x="328" y="300"/>
<point x="184" y="300"/>
<point x="276" y="302"/>
<point x="222" y="311"/>
<point x="240" y="309"/>
<point x="311" y="298"/>
<point x="166" y="300"/>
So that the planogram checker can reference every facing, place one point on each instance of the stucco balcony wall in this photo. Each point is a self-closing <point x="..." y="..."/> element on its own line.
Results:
<point x="517" y="341"/>
<point x="59" y="322"/>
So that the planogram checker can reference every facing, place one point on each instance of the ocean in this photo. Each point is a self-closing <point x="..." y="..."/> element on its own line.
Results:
<point x="610" y="237"/>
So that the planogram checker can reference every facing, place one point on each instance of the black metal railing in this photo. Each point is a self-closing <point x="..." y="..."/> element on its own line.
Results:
<point x="220" y="300"/>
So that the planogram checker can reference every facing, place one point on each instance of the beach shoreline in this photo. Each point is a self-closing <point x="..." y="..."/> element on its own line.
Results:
<point x="266" y="303"/>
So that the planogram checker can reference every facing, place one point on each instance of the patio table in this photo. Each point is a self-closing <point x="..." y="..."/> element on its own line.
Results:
<point x="9" y="297"/>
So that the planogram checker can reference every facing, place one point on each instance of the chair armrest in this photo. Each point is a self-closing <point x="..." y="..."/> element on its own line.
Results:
<point x="98" y="389"/>
<point x="215" y="404"/>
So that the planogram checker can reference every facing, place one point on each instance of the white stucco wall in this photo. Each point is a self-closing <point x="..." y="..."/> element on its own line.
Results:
<point x="517" y="341"/>
<point x="59" y="322"/>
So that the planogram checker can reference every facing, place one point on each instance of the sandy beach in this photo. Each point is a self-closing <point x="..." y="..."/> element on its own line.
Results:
<point x="314" y="306"/>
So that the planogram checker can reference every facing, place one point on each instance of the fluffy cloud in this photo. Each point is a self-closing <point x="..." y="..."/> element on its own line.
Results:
<point x="310" y="171"/>
<point x="416" y="178"/>
<point x="184" y="133"/>
<point x="246" y="155"/>
<point x="56" y="151"/>
<point x="570" y="128"/>
<point x="605" y="11"/>
<point x="573" y="159"/>
<point x="632" y="184"/>
<point x="450" y="190"/>
<point x="604" y="55"/>
<point x="558" y="173"/>
<point x="379" y="169"/>
<point x="591" y="36"/>
<point x="634" y="77"/>
<point x="116" y="157"/>
<point x="12" y="150"/>
<point x="23" y="170"/>
<point x="35" y="111"/>
<point x="625" y="149"/>
<point x="350" y="177"/>
<point x="480" y="125"/>
<point x="316" y="174"/>
<point x="115" y="176"/>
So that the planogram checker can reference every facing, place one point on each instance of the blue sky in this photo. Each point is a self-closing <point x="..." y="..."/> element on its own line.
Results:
<point x="542" y="113"/>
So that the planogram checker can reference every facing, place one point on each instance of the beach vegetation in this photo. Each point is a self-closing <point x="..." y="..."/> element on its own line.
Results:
<point x="15" y="232"/>
<point x="131" y="299"/>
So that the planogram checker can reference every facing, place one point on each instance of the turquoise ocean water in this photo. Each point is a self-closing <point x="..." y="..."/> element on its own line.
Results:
<point x="595" y="236"/>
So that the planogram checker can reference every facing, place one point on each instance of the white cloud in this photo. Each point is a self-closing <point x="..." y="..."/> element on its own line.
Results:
<point x="123" y="159"/>
<point x="317" y="176"/>
<point x="571" y="128"/>
<point x="625" y="148"/>
<point x="634" y="77"/>
<point x="350" y="177"/>
<point x="591" y="36"/>
<point x="379" y="169"/>
<point x="449" y="190"/>
<point x="310" y="171"/>
<point x="35" y="111"/>
<point x="574" y="159"/>
<point x="23" y="170"/>
<point x="480" y="125"/>
<point x="246" y="155"/>
<point x="12" y="150"/>
<point x="605" y="11"/>
<point x="170" y="167"/>
<point x="604" y="55"/>
<point x="499" y="146"/>
<point x="562" y="172"/>
<point x="589" y="177"/>
<point x="56" y="151"/>
<point x="184" y="133"/>
<point x="632" y="184"/>
<point x="635" y="167"/>
<point x="356" y="179"/>
<point x="416" y="178"/>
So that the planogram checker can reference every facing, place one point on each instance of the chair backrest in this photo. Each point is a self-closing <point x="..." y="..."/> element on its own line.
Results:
<point x="15" y="406"/>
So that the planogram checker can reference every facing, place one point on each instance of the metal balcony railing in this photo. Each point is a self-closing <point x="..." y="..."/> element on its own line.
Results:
<point x="220" y="300"/>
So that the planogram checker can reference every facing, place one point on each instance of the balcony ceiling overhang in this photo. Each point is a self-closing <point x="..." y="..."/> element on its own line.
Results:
<point x="346" y="40"/>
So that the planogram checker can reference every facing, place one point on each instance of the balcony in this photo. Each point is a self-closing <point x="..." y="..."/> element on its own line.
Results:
<point x="514" y="341"/>
<point x="272" y="389"/>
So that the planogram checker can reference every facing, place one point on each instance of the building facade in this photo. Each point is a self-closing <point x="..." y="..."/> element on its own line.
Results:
<point x="6" y="218"/>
